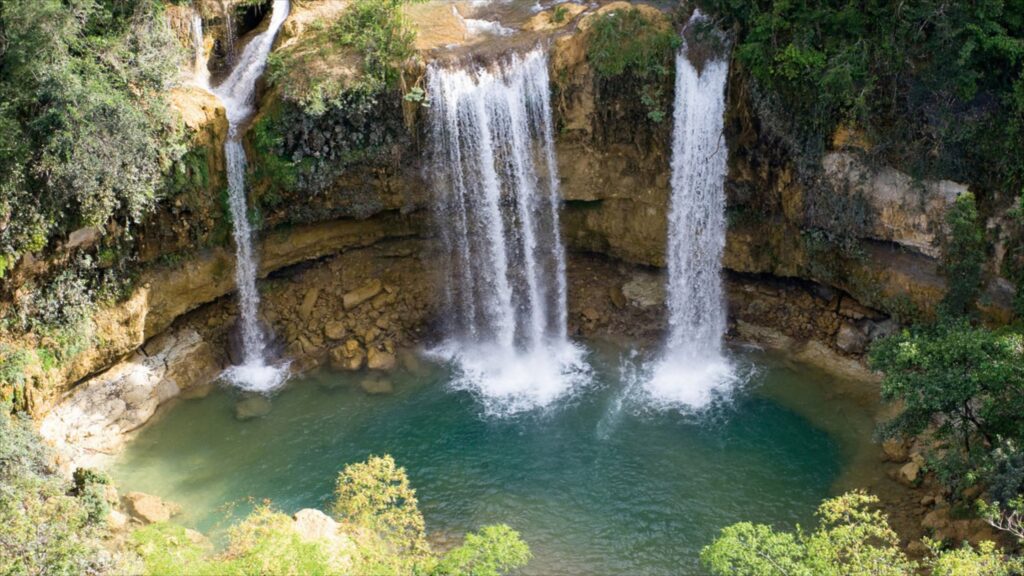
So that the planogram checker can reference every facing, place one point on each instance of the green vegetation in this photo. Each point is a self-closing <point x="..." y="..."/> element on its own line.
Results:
<point x="381" y="532"/>
<point x="87" y="135"/>
<point x="46" y="526"/>
<point x="937" y="86"/>
<point x="851" y="538"/>
<point x="373" y="36"/>
<point x="631" y="52"/>
<point x="963" y="257"/>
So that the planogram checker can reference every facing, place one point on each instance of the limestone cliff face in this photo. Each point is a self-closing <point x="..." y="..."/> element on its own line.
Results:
<point x="322" y="184"/>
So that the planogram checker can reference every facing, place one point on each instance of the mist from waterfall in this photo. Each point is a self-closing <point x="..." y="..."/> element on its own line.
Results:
<point x="237" y="93"/>
<point x="496" y="205"/>
<point x="692" y="369"/>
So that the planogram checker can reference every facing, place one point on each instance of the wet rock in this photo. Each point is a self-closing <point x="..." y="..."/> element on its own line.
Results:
<point x="375" y="385"/>
<point x="149" y="509"/>
<point x="356" y="297"/>
<point x="380" y="359"/>
<point x="334" y="330"/>
<point x="252" y="407"/>
<point x="617" y="297"/>
<point x="349" y="356"/>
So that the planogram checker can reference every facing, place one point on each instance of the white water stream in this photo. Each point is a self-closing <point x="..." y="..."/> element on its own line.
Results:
<point x="237" y="93"/>
<point x="692" y="368"/>
<point x="497" y="202"/>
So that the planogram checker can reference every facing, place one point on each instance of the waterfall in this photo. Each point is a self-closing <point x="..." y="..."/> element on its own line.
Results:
<point x="497" y="201"/>
<point x="237" y="93"/>
<point x="200" y="70"/>
<point x="692" y="367"/>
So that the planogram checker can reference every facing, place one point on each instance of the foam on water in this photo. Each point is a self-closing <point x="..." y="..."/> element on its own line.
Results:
<point x="692" y="369"/>
<point x="496" y="205"/>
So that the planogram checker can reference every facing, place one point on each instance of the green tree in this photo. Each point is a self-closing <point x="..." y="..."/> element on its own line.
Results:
<point x="376" y="494"/>
<point x="963" y="257"/>
<point x="963" y="384"/>
<point x="86" y="132"/>
<point x="851" y="539"/>
<point x="43" y="530"/>
<point x="495" y="550"/>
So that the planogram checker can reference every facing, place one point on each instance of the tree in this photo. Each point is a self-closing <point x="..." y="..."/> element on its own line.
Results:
<point x="963" y="384"/>
<point x="851" y="539"/>
<point x="493" y="551"/>
<point x="376" y="494"/>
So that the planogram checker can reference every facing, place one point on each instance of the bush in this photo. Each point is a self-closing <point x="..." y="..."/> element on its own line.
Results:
<point x="938" y="87"/>
<point x="963" y="384"/>
<point x="850" y="538"/>
<point x="963" y="257"/>
<point x="43" y="530"/>
<point x="87" y="134"/>
<point x="383" y="534"/>
<point x="626" y="47"/>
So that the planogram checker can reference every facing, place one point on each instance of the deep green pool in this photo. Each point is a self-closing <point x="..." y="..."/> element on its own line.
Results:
<point x="598" y="484"/>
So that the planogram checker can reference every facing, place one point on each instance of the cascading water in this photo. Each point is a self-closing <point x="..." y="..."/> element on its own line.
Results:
<point x="200" y="70"/>
<point x="497" y="201"/>
<point x="237" y="93"/>
<point x="692" y="368"/>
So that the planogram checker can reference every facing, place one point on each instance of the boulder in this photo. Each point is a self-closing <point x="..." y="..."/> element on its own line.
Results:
<point x="380" y="359"/>
<point x="334" y="330"/>
<point x="349" y="356"/>
<point x="365" y="292"/>
<point x="375" y="385"/>
<point x="850" y="339"/>
<point x="895" y="450"/>
<point x="909" y="473"/>
<point x="252" y="407"/>
<point x="314" y="526"/>
<point x="645" y="291"/>
<point x="149" y="509"/>
<point x="308" y="302"/>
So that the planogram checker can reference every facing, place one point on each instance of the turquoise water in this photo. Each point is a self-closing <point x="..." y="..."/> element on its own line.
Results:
<point x="599" y="484"/>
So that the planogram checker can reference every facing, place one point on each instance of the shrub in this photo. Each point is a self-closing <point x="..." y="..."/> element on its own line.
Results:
<point x="963" y="257"/>
<point x="87" y="132"/>
<point x="963" y="384"/>
<point x="495" y="550"/>
<point x="851" y="538"/>
<point x="627" y="45"/>
<point x="43" y="530"/>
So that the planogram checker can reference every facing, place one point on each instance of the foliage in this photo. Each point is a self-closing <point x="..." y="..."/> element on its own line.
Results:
<point x="264" y="543"/>
<point x="376" y="494"/>
<point x="382" y="34"/>
<point x="964" y="384"/>
<point x="381" y="532"/>
<point x="626" y="44"/>
<point x="963" y="256"/>
<point x="937" y="86"/>
<point x="986" y="560"/>
<point x="43" y="530"/>
<point x="87" y="134"/>
<point x="495" y="550"/>
<point x="851" y="538"/>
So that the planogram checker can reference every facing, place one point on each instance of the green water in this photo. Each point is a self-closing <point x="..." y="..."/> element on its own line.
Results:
<point x="597" y="485"/>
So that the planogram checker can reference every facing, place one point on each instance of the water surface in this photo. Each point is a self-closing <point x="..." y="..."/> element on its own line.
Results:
<point x="597" y="484"/>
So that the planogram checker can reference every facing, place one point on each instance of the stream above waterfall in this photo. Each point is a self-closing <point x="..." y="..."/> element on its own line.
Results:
<point x="600" y="482"/>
